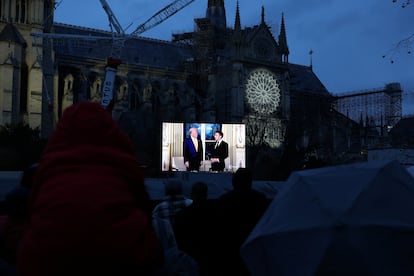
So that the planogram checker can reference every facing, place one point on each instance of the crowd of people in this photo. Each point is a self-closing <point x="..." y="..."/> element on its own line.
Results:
<point x="84" y="210"/>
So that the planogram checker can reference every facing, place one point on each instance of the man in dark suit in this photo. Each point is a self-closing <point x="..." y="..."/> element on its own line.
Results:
<point x="193" y="151"/>
<point x="219" y="152"/>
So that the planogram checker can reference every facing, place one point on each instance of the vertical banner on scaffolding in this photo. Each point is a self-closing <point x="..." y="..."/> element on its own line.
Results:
<point x="108" y="86"/>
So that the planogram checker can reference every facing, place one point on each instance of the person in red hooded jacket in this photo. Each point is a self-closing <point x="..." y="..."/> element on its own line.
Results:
<point x="89" y="211"/>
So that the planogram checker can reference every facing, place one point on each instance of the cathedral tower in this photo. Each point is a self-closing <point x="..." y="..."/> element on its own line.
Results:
<point x="20" y="71"/>
<point x="216" y="13"/>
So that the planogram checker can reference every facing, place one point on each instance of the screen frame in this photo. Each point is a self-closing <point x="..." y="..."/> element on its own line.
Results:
<point x="174" y="133"/>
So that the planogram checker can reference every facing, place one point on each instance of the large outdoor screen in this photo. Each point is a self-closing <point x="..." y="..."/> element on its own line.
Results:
<point x="173" y="135"/>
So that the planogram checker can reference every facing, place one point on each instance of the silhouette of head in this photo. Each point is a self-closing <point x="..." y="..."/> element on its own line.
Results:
<point x="88" y="123"/>
<point x="242" y="179"/>
<point x="199" y="191"/>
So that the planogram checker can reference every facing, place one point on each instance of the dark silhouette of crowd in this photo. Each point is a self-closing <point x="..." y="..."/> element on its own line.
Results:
<point x="84" y="210"/>
<point x="13" y="222"/>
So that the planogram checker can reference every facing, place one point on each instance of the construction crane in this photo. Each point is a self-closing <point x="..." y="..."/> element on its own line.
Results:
<point x="118" y="40"/>
<point x="162" y="15"/>
<point x="114" y="60"/>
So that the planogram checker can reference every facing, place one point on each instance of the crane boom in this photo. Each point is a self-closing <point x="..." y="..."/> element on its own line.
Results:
<point x="162" y="15"/>
<point x="112" y="18"/>
<point x="118" y="45"/>
<point x="115" y="59"/>
<point x="118" y="40"/>
<point x="69" y="36"/>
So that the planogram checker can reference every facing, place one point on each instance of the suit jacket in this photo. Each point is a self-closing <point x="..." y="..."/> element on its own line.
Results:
<point x="221" y="152"/>
<point x="191" y="155"/>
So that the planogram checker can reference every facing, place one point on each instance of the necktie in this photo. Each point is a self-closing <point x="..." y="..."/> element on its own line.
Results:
<point x="217" y="143"/>
<point x="195" y="142"/>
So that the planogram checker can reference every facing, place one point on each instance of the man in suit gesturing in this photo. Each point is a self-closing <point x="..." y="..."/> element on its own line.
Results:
<point x="219" y="152"/>
<point x="193" y="151"/>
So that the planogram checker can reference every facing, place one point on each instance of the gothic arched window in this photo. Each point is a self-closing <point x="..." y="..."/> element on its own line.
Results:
<point x="95" y="90"/>
<point x="21" y="11"/>
<point x="67" y="99"/>
<point x="4" y="7"/>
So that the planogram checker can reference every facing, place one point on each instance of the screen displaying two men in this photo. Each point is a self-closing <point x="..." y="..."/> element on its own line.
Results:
<point x="203" y="147"/>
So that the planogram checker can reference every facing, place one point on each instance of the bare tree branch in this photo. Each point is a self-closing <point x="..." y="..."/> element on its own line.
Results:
<point x="405" y="45"/>
<point x="404" y="3"/>
<point x="256" y="130"/>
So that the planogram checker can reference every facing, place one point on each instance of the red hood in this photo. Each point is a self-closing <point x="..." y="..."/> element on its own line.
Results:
<point x="88" y="178"/>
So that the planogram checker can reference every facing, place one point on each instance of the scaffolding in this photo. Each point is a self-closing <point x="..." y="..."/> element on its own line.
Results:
<point x="378" y="108"/>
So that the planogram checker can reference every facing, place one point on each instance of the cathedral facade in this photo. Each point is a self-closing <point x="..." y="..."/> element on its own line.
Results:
<point x="219" y="73"/>
<point x="20" y="66"/>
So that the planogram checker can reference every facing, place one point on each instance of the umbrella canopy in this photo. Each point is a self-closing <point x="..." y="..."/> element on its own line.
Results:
<point x="353" y="219"/>
<point x="410" y="170"/>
